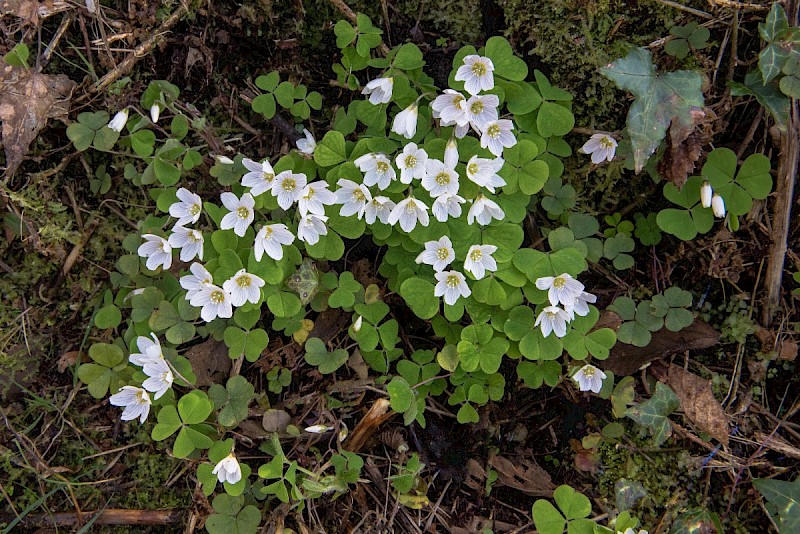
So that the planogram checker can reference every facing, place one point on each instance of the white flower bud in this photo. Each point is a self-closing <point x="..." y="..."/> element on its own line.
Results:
<point x="357" y="324"/>
<point x="718" y="205"/>
<point x="119" y="120"/>
<point x="155" y="111"/>
<point x="705" y="194"/>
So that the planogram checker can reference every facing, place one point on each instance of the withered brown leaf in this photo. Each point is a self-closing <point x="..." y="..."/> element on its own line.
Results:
<point x="699" y="403"/>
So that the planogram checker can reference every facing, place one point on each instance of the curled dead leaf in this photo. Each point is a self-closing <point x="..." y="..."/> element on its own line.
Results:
<point x="68" y="359"/>
<point x="699" y="403"/>
<point x="209" y="361"/>
<point x="27" y="100"/>
<point x="523" y="474"/>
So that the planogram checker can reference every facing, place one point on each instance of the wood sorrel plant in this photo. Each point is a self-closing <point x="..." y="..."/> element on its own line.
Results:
<point x="442" y="179"/>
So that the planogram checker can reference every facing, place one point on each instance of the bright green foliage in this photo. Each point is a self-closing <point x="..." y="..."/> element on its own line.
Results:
<point x="580" y="341"/>
<point x="738" y="189"/>
<point x="699" y="521"/>
<point x="691" y="36"/>
<point x="344" y="296"/>
<point x="479" y="348"/>
<point x="208" y="479"/>
<point x="693" y="219"/>
<point x="190" y="416"/>
<point x="318" y="356"/>
<point x="534" y="374"/>
<point x="572" y="513"/>
<point x="18" y="56"/>
<point x="407" y="475"/>
<point x="249" y="344"/>
<point x="654" y="413"/>
<point x="651" y="315"/>
<point x="109" y="372"/>
<point x="785" y="497"/>
<point x="232" y="517"/>
<point x="661" y="100"/>
<point x="285" y="485"/>
<point x="278" y="378"/>
<point x="622" y="397"/>
<point x="231" y="400"/>
<point x="294" y="98"/>
<point x="647" y="230"/>
<point x="768" y="95"/>
<point x="92" y="130"/>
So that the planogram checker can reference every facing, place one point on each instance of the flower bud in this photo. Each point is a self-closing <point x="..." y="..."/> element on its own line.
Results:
<point x="119" y="120"/>
<point x="718" y="205"/>
<point x="357" y="324"/>
<point x="318" y="429"/>
<point x="705" y="194"/>
<point x="155" y="111"/>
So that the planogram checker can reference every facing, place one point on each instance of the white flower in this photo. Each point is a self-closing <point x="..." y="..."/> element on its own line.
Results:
<point x="479" y="260"/>
<point x="590" y="378"/>
<point x="601" y="146"/>
<point x="243" y="287"/>
<point x="561" y="289"/>
<point x="260" y="177"/>
<point x="228" y="470"/>
<point x="580" y="306"/>
<point x="438" y="253"/>
<point x="241" y="212"/>
<point x="287" y="187"/>
<point x="215" y="303"/>
<point x="353" y="197"/>
<point x="553" y="319"/>
<point x="451" y="285"/>
<point x="314" y="197"/>
<point x="119" y="120"/>
<point x="451" y="153"/>
<point x="405" y="122"/>
<point x="481" y="110"/>
<point x="629" y="530"/>
<point x="135" y="400"/>
<point x="450" y="108"/>
<point x="318" y="429"/>
<point x="157" y="250"/>
<point x="705" y="194"/>
<point x="411" y="162"/>
<point x="188" y="208"/>
<point x="483" y="209"/>
<point x="718" y="205"/>
<point x="483" y="171"/>
<point x="196" y="281"/>
<point x="379" y="90"/>
<point x="377" y="169"/>
<point x="497" y="135"/>
<point x="189" y="240"/>
<point x="408" y="212"/>
<point x="357" y="324"/>
<point x="148" y="351"/>
<point x="225" y="160"/>
<point x="440" y="179"/>
<point x="447" y="206"/>
<point x="155" y="111"/>
<point x="270" y="239"/>
<point x="310" y="227"/>
<point x="379" y="207"/>
<point x="307" y="145"/>
<point x="159" y="379"/>
<point x="476" y="73"/>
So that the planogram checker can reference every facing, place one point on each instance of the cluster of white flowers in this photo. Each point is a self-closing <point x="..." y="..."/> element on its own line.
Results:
<point x="710" y="199"/>
<point x="564" y="290"/>
<point x="452" y="284"/>
<point x="136" y="400"/>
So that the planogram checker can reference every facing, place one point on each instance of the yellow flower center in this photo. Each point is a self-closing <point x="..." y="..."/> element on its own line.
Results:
<point x="411" y="162"/>
<point x="473" y="168"/>
<point x="411" y="207"/>
<point x="217" y="297"/>
<point x="493" y="131"/>
<point x="289" y="184"/>
<point x="476" y="108"/>
<point x="442" y="253"/>
<point x="552" y="314"/>
<point x="443" y="178"/>
<point x="243" y="281"/>
<point x="358" y="195"/>
<point x="457" y="99"/>
<point x="588" y="372"/>
<point x="194" y="209"/>
<point x="476" y="254"/>
<point x="140" y="397"/>
<point x="196" y="237"/>
<point x="606" y="142"/>
<point x="452" y="281"/>
<point x="478" y="68"/>
<point x="559" y="282"/>
<point x="242" y="212"/>
<point x="267" y="176"/>
<point x="310" y="194"/>
<point x="382" y="166"/>
<point x="267" y="232"/>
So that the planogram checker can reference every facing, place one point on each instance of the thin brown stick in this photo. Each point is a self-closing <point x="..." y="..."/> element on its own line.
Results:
<point x="112" y="516"/>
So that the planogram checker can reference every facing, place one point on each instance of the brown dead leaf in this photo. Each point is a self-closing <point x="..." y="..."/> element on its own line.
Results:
<point x="31" y="11"/>
<point x="684" y="148"/>
<point x="524" y="475"/>
<point x="787" y="350"/>
<point x="587" y="460"/>
<point x="627" y="359"/>
<point x="27" y="100"/>
<point x="210" y="362"/>
<point x="699" y="403"/>
<point x="275" y="420"/>
<point x="68" y="359"/>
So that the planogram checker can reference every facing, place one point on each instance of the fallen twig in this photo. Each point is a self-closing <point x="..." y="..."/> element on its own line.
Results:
<point x="112" y="516"/>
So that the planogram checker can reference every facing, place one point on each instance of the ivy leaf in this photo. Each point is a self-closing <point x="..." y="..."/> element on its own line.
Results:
<point x="660" y="100"/>
<point x="785" y="496"/>
<point x="654" y="412"/>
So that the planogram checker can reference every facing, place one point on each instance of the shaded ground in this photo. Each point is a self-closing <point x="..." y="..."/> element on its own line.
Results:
<point x="61" y="451"/>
